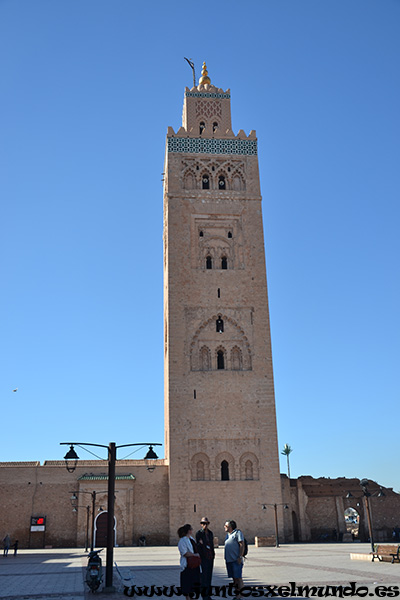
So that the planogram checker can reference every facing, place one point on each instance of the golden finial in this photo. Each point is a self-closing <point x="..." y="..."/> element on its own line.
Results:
<point x="204" y="75"/>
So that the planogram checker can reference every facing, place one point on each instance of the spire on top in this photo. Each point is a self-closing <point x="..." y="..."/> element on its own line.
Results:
<point x="204" y="76"/>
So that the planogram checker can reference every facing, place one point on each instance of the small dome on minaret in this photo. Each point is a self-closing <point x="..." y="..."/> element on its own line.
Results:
<point x="204" y="76"/>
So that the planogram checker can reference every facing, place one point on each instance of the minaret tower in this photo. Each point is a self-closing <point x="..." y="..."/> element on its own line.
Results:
<point x="220" y="424"/>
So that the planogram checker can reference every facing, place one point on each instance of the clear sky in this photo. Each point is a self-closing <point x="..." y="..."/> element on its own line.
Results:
<point x="87" y="91"/>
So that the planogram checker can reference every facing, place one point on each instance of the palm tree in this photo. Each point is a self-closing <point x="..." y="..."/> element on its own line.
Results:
<point x="286" y="451"/>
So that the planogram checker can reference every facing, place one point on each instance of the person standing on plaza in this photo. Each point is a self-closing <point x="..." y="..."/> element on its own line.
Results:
<point x="6" y="545"/>
<point x="190" y="578"/>
<point x="205" y="545"/>
<point x="234" y="552"/>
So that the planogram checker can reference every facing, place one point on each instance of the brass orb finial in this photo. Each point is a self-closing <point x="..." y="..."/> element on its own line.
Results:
<point x="204" y="75"/>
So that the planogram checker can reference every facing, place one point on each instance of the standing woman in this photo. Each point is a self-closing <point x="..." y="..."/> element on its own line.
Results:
<point x="190" y="578"/>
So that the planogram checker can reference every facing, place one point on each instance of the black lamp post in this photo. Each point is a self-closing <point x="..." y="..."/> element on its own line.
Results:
<point x="71" y="460"/>
<point x="366" y="495"/>
<point x="275" y="507"/>
<point x="93" y="496"/>
<point x="75" y="510"/>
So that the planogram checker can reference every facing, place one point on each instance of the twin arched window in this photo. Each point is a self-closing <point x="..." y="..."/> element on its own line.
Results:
<point x="209" y="262"/>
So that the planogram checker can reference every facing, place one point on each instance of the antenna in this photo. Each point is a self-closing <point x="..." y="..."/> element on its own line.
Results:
<point x="191" y="64"/>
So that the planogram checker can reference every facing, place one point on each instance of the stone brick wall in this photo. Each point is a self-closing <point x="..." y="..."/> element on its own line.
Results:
<point x="31" y="489"/>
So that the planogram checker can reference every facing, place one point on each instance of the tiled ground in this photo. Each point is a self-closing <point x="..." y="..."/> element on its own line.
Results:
<point x="58" y="574"/>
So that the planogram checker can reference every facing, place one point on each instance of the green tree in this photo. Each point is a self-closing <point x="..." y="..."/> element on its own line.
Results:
<point x="286" y="451"/>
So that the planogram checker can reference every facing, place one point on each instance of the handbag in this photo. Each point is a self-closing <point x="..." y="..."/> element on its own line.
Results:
<point x="193" y="562"/>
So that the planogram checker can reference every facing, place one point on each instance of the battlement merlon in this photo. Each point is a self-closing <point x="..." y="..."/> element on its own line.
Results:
<point x="194" y="132"/>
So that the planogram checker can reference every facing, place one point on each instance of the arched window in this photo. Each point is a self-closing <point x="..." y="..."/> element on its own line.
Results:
<point x="224" y="471"/>
<point x="248" y="470"/>
<point x="221" y="183"/>
<point x="224" y="262"/>
<point x="229" y="234"/>
<point x="208" y="262"/>
<point x="202" y="127"/>
<point x="215" y="126"/>
<point x="205" y="181"/>
<point x="219" y="325"/>
<point x="200" y="471"/>
<point x="201" y="233"/>
<point x="220" y="359"/>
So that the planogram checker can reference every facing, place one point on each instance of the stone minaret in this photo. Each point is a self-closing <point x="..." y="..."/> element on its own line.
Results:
<point x="220" y="424"/>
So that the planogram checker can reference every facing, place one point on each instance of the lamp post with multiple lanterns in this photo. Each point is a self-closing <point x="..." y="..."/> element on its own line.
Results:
<point x="275" y="507"/>
<point x="74" y="499"/>
<point x="367" y="495"/>
<point x="71" y="461"/>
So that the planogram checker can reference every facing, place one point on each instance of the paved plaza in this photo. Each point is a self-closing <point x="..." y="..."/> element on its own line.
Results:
<point x="58" y="574"/>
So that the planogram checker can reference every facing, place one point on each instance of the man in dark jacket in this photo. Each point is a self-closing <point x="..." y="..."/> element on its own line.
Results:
<point x="205" y="546"/>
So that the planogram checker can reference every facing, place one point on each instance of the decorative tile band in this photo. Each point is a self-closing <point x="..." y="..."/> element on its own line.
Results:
<point x="204" y="146"/>
<point x="207" y="95"/>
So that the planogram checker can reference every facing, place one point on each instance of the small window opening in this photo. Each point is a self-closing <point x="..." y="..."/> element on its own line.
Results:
<point x="208" y="262"/>
<point x="229" y="234"/>
<point x="224" y="471"/>
<point x="215" y="126"/>
<point x="202" y="127"/>
<point x="212" y="168"/>
<point x="197" y="167"/>
<point x="220" y="360"/>
<point x="219" y="325"/>
<point x="206" y="182"/>
<point x="224" y="262"/>
<point x="229" y="169"/>
<point x="219" y="293"/>
<point x="221" y="182"/>
<point x="194" y="394"/>
<point x="201" y="234"/>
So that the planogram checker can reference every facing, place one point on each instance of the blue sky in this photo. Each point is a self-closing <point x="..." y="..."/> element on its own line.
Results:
<point x="87" y="91"/>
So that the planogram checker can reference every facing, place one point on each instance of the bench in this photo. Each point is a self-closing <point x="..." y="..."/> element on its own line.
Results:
<point x="386" y="550"/>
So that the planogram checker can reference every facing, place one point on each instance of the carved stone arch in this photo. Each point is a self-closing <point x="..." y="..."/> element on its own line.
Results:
<point x="238" y="181"/>
<point x="216" y="247"/>
<point x="209" y="324"/>
<point x="200" y="467"/>
<point x="225" y="456"/>
<point x="220" y="358"/>
<point x="189" y="179"/>
<point x="236" y="359"/>
<point x="245" y="459"/>
<point x="222" y="173"/>
<point x="205" y="173"/>
<point x="205" y="359"/>
<point x="201" y="125"/>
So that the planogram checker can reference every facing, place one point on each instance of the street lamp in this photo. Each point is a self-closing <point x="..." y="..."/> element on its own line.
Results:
<point x="71" y="460"/>
<point x="75" y="510"/>
<point x="74" y="498"/>
<point x="275" y="507"/>
<point x="366" y="495"/>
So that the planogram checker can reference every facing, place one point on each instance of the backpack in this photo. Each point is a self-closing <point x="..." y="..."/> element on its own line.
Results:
<point x="246" y="546"/>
